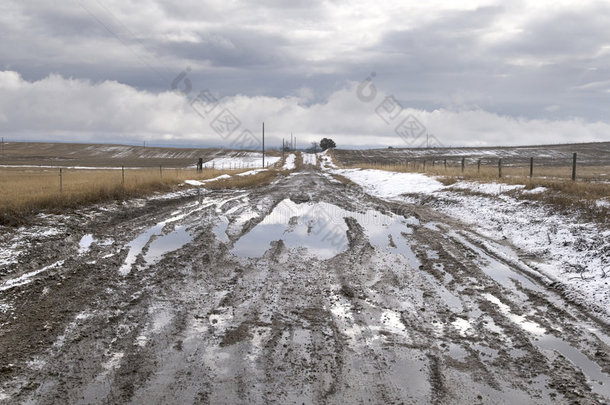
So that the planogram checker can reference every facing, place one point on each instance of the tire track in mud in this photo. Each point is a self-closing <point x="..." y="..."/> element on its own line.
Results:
<point x="413" y="309"/>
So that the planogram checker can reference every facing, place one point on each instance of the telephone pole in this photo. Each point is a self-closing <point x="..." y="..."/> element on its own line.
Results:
<point x="263" y="144"/>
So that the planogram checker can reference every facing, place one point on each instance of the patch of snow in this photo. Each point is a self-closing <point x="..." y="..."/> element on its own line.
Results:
<point x="8" y="256"/>
<point x="251" y="172"/>
<point x="462" y="325"/>
<point x="537" y="190"/>
<point x="486" y="188"/>
<point x="603" y="202"/>
<point x="289" y="163"/>
<point x="309" y="158"/>
<point x="27" y="277"/>
<point x="202" y="182"/>
<point x="325" y="160"/>
<point x="567" y="249"/>
<point x="250" y="160"/>
<point x="520" y="320"/>
<point x="85" y="243"/>
<point x="390" y="184"/>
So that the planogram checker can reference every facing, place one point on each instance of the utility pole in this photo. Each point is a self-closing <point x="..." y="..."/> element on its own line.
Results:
<point x="282" y="149"/>
<point x="263" y="144"/>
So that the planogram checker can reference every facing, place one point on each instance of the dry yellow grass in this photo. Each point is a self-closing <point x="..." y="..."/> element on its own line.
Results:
<point x="26" y="191"/>
<point x="248" y="181"/>
<point x="298" y="161"/>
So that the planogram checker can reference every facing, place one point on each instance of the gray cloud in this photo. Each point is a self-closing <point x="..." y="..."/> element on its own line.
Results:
<point x="543" y="63"/>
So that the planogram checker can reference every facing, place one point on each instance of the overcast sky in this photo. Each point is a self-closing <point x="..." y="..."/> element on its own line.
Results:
<point x="363" y="73"/>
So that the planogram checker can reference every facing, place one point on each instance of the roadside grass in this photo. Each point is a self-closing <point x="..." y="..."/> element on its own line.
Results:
<point x="28" y="191"/>
<point x="592" y="183"/>
<point x="248" y="181"/>
<point x="298" y="161"/>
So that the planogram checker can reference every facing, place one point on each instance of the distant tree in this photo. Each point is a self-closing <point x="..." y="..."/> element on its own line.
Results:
<point x="326" y="143"/>
<point x="313" y="148"/>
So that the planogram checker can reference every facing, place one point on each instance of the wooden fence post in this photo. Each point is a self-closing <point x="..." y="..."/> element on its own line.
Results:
<point x="61" y="181"/>
<point x="479" y="166"/>
<point x="463" y="165"/>
<point x="574" y="166"/>
<point x="424" y="165"/>
<point x="161" y="171"/>
<point x="123" y="176"/>
<point x="531" y="167"/>
<point x="445" y="162"/>
<point x="500" y="167"/>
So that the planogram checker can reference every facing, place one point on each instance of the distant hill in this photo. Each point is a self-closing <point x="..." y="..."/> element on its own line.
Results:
<point x="100" y="155"/>
<point x="593" y="154"/>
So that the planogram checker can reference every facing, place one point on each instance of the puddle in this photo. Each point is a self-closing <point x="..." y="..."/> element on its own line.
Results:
<point x="167" y="243"/>
<point x="320" y="228"/>
<point x="85" y="243"/>
<point x="599" y="381"/>
<point x="136" y="246"/>
<point x="164" y="244"/>
<point x="447" y="296"/>
<point x="220" y="229"/>
<point x="504" y="275"/>
<point x="457" y="352"/>
<point x="315" y="227"/>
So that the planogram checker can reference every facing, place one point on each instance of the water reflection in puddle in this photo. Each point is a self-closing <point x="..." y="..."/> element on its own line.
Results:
<point x="160" y="246"/>
<point x="600" y="382"/>
<point x="321" y="230"/>
<point x="167" y="243"/>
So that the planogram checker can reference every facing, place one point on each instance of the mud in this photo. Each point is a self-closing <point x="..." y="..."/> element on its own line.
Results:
<point x="295" y="292"/>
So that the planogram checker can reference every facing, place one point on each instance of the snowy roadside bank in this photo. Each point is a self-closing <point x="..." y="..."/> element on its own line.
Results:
<point x="560" y="247"/>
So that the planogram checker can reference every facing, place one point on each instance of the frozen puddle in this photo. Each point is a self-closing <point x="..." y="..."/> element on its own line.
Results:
<point x="320" y="229"/>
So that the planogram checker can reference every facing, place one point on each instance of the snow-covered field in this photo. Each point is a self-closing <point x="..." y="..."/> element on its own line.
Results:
<point x="249" y="160"/>
<point x="561" y="247"/>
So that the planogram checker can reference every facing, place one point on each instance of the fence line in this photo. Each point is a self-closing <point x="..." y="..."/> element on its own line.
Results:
<point x="520" y="166"/>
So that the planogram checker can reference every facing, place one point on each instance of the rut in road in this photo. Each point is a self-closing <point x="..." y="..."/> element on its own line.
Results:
<point x="303" y="291"/>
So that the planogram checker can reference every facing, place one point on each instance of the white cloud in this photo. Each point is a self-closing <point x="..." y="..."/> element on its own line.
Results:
<point x="57" y="108"/>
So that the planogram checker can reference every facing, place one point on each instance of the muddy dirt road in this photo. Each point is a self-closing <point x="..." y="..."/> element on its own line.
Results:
<point x="303" y="291"/>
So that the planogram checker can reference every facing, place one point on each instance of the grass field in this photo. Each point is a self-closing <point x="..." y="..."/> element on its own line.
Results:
<point x="26" y="191"/>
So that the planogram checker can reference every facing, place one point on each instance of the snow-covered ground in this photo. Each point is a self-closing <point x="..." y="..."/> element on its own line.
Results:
<point x="247" y="160"/>
<point x="326" y="160"/>
<point x="562" y="247"/>
<point x="309" y="158"/>
<point x="289" y="164"/>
